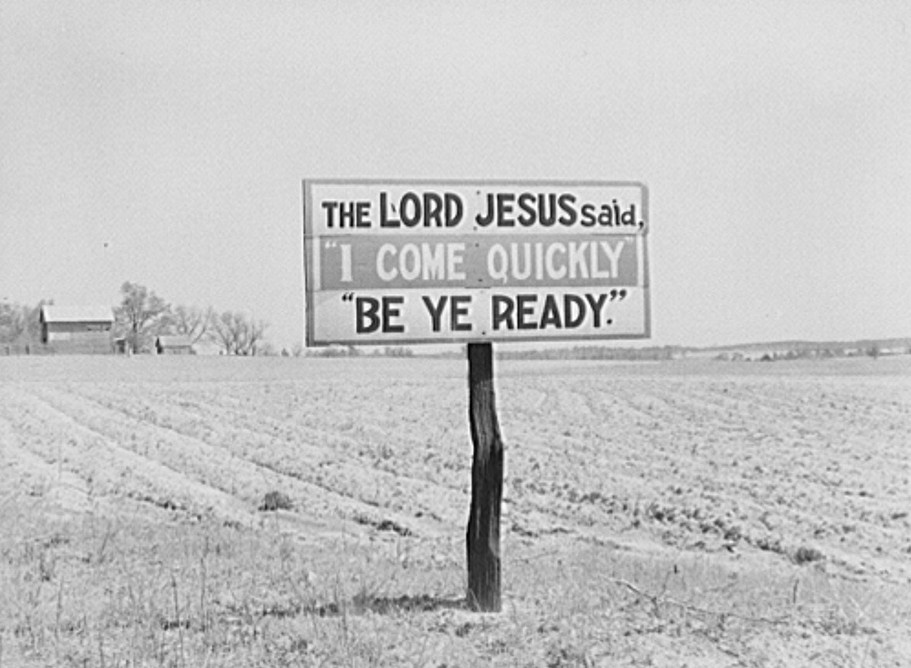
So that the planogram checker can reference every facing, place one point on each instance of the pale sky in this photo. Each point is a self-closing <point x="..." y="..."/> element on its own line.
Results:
<point x="165" y="143"/>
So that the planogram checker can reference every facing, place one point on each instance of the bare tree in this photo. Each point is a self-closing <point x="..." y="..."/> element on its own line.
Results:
<point x="20" y="323"/>
<point x="12" y="322"/>
<point x="225" y="330"/>
<point x="193" y="322"/>
<point x="237" y="334"/>
<point x="141" y="315"/>
<point x="255" y="333"/>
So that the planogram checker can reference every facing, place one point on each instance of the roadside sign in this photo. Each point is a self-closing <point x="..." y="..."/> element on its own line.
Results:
<point x="405" y="262"/>
<point x="450" y="261"/>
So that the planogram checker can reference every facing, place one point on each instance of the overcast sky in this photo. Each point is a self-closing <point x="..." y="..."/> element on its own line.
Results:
<point x="165" y="143"/>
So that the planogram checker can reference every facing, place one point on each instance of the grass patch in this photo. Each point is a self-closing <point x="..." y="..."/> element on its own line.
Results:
<point x="101" y="591"/>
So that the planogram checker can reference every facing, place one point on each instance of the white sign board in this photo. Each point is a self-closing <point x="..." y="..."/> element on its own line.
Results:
<point x="389" y="262"/>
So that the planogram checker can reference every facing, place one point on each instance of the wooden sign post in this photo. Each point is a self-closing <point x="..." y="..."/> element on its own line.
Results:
<point x="411" y="262"/>
<point x="483" y="540"/>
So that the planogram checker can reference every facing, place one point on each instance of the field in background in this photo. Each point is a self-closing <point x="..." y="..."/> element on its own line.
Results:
<point x="676" y="513"/>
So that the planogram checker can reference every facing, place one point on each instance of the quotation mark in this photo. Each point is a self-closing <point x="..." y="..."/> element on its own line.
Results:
<point x="614" y="296"/>
<point x="348" y="296"/>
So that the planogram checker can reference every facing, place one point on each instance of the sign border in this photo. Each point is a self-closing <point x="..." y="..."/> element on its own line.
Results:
<point x="310" y="274"/>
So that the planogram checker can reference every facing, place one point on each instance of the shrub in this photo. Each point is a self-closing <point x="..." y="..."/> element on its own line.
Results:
<point x="805" y="555"/>
<point x="275" y="501"/>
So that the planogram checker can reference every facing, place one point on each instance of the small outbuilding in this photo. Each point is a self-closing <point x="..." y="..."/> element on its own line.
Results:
<point x="77" y="329"/>
<point x="176" y="344"/>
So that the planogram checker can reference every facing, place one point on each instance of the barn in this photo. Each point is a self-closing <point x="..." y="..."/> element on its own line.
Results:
<point x="77" y="329"/>
<point x="173" y="345"/>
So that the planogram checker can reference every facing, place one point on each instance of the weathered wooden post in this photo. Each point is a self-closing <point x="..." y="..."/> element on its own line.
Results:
<point x="483" y="540"/>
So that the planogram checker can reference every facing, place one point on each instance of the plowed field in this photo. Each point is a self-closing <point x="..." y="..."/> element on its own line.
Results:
<point x="681" y="513"/>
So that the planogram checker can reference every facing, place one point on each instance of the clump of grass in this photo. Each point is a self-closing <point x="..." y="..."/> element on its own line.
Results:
<point x="806" y="555"/>
<point x="275" y="501"/>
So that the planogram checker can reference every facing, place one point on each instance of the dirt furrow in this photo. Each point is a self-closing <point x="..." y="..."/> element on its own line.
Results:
<point x="26" y="472"/>
<point x="361" y="445"/>
<point x="110" y="469"/>
<point x="247" y="472"/>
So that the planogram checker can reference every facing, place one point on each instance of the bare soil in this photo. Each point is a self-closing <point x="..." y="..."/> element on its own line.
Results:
<point x="279" y="511"/>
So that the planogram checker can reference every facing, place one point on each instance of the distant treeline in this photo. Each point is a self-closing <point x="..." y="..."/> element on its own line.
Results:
<point x="654" y="353"/>
<point x="874" y="350"/>
<point x="762" y="352"/>
<point x="817" y="348"/>
<point x="770" y="352"/>
<point x="353" y="351"/>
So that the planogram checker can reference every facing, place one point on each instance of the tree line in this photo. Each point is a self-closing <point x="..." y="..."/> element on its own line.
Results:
<point x="142" y="316"/>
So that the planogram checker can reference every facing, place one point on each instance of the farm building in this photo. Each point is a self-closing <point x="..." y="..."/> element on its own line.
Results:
<point x="76" y="329"/>
<point x="173" y="345"/>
